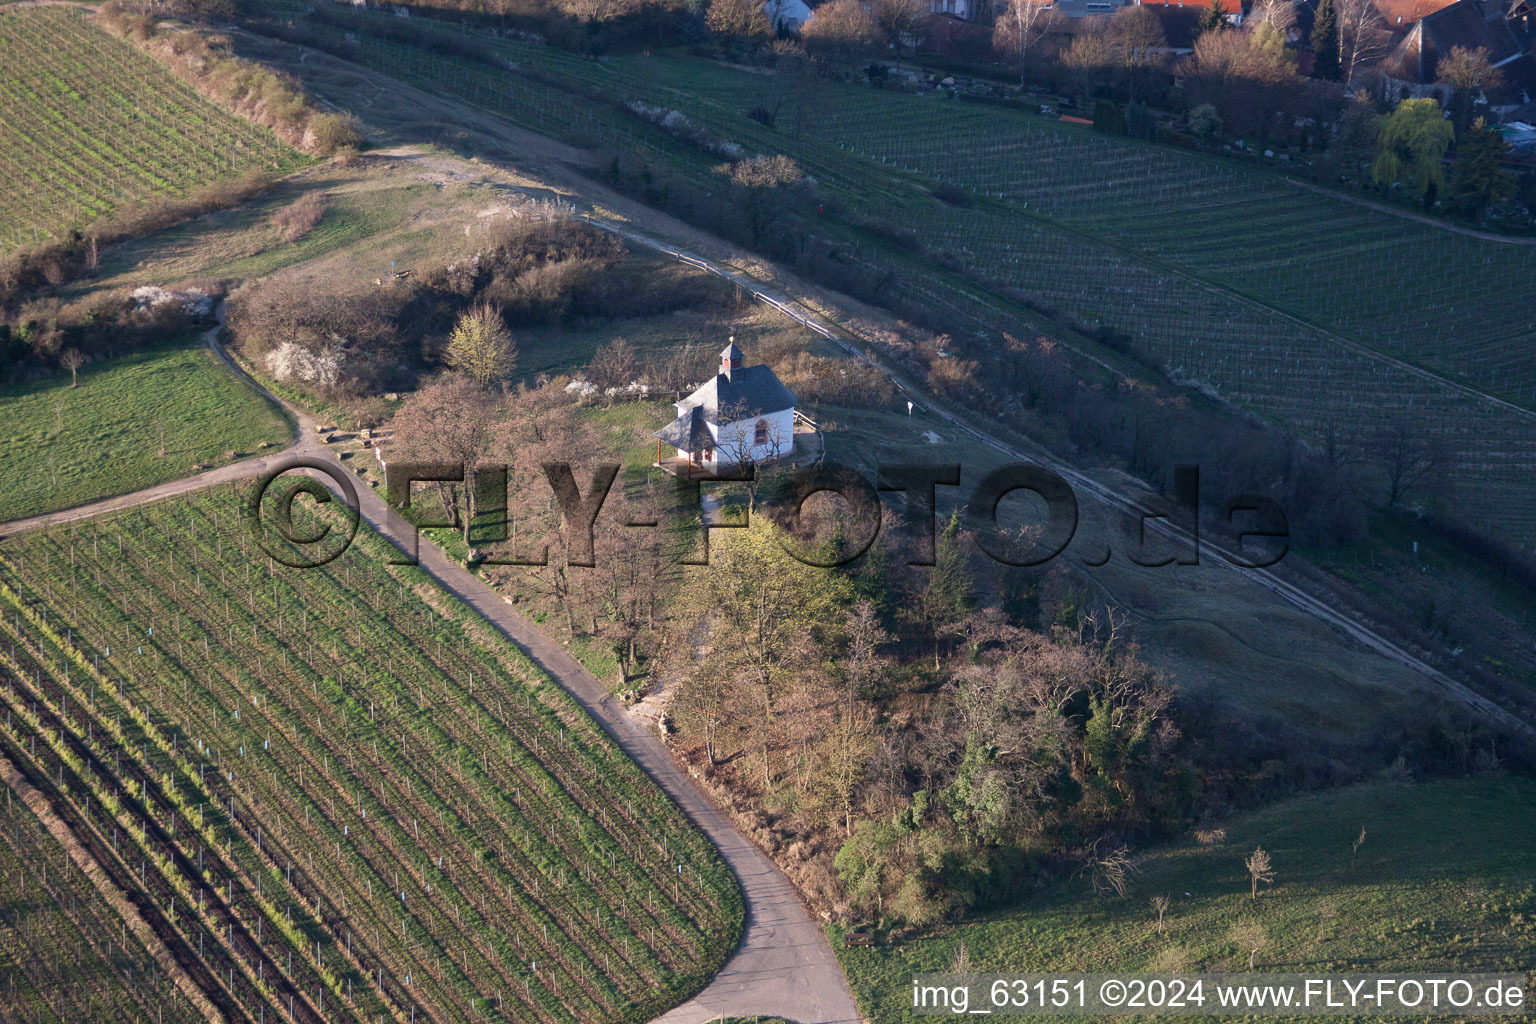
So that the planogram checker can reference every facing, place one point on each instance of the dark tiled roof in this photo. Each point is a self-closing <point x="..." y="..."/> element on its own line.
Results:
<point x="687" y="432"/>
<point x="749" y="391"/>
<point x="1180" y="24"/>
<point x="1474" y="24"/>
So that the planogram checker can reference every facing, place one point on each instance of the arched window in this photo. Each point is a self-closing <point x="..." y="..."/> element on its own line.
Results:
<point x="760" y="436"/>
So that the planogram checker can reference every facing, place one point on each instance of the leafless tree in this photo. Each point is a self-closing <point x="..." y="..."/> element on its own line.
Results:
<point x="614" y="365"/>
<point x="1086" y="59"/>
<point x="765" y="184"/>
<point x="449" y="420"/>
<point x="747" y="439"/>
<point x="72" y="359"/>
<point x="1161" y="904"/>
<point x="741" y="19"/>
<point x="1354" y="847"/>
<point x="903" y="21"/>
<point x="1363" y="35"/>
<point x="1250" y="937"/>
<point x="842" y="30"/>
<point x="1259" y="870"/>
<point x="1469" y="69"/>
<point x="1279" y="13"/>
<point x="598" y="10"/>
<point x="1020" y="28"/>
<point x="1411" y="462"/>
<point x="1110" y="867"/>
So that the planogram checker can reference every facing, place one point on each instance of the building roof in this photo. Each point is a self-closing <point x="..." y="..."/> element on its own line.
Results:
<point x="1473" y="24"/>
<point x="730" y="354"/>
<point x="1180" y="24"/>
<point x="748" y="391"/>
<point x="1403" y="13"/>
<point x="687" y="432"/>
<point x="1231" y="7"/>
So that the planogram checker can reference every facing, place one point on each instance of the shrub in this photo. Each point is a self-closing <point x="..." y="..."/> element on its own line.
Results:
<point x="329" y="132"/>
<point x="295" y="220"/>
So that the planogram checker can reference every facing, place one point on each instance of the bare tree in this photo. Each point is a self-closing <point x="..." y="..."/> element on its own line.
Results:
<point x="1363" y="35"/>
<point x="1086" y="59"/>
<point x="1020" y="28"/>
<point x="765" y="184"/>
<point x="449" y="420"/>
<point x="903" y="21"/>
<point x="1136" y="38"/>
<point x="747" y="439"/>
<point x="842" y="29"/>
<point x="1411" y="463"/>
<point x="597" y="10"/>
<point x="1259" y="870"/>
<point x="72" y="359"/>
<point x="1250" y="937"/>
<point x="1110" y="867"/>
<point x="741" y="19"/>
<point x="1354" y="847"/>
<point x="1161" y="904"/>
<point x="614" y="365"/>
<point x="1279" y="13"/>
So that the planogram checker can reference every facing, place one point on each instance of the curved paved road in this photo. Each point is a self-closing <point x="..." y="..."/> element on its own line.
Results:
<point x="784" y="966"/>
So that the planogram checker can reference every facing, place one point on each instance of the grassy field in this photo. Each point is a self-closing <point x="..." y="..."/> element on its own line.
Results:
<point x="88" y="123"/>
<point x="1445" y="880"/>
<point x="132" y="422"/>
<point x="399" y="811"/>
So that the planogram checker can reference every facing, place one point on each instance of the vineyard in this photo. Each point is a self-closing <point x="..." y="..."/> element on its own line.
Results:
<point x="346" y="797"/>
<point x="1451" y="302"/>
<point x="88" y="124"/>
<point x="65" y="954"/>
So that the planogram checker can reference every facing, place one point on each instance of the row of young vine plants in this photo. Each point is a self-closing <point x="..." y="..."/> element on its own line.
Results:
<point x="372" y="804"/>
<point x="88" y="123"/>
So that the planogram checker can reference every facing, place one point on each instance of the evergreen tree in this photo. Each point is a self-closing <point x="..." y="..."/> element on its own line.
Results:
<point x="1325" y="43"/>
<point x="1478" y="178"/>
<point x="950" y="589"/>
<point x="1214" y="17"/>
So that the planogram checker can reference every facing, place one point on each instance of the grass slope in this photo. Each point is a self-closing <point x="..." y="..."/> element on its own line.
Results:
<point x="1446" y="879"/>
<point x="62" y="446"/>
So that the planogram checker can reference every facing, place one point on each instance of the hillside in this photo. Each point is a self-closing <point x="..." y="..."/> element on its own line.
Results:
<point x="1443" y="880"/>
<point x="128" y="423"/>
<point x="1056" y="230"/>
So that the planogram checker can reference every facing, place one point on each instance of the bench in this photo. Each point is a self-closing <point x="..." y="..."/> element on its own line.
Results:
<point x="858" y="939"/>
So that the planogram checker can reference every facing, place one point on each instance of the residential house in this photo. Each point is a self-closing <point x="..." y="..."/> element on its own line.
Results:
<point x="1502" y="27"/>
